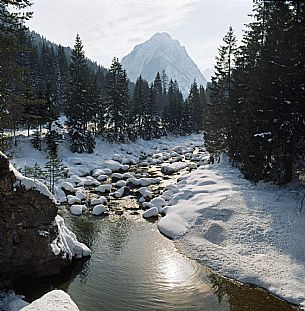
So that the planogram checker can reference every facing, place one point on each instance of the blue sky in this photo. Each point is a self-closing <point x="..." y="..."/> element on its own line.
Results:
<point x="111" y="28"/>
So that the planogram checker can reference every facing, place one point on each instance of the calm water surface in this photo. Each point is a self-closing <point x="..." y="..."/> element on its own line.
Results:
<point x="134" y="267"/>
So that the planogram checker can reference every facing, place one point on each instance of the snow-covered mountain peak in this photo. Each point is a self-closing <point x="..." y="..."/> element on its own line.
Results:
<point x="161" y="35"/>
<point x="162" y="52"/>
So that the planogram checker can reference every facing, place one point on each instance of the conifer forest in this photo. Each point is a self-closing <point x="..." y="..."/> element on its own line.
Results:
<point x="253" y="109"/>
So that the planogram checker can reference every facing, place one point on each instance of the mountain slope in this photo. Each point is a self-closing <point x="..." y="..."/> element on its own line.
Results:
<point x="162" y="52"/>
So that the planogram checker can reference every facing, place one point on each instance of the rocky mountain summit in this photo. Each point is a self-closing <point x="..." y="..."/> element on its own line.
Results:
<point x="162" y="52"/>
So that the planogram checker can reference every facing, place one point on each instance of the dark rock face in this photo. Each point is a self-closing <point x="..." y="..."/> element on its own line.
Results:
<point x="26" y="230"/>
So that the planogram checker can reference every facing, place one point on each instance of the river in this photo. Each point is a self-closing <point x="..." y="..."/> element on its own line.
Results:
<point x="134" y="267"/>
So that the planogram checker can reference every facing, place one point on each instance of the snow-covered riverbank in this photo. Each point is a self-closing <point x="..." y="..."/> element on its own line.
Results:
<point x="251" y="233"/>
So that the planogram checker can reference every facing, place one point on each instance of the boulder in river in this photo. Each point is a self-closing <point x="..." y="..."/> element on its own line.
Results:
<point x="33" y="238"/>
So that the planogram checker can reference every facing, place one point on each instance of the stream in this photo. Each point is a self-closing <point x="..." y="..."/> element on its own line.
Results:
<point x="134" y="267"/>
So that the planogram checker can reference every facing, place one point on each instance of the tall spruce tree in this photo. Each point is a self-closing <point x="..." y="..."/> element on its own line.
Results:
<point x="140" y="104"/>
<point x="12" y="38"/>
<point x="76" y="110"/>
<point x="117" y="101"/>
<point x="218" y="110"/>
<point x="159" y="94"/>
<point x="196" y="105"/>
<point x="172" y="116"/>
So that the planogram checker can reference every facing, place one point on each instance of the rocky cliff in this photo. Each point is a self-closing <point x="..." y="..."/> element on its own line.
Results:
<point x="33" y="239"/>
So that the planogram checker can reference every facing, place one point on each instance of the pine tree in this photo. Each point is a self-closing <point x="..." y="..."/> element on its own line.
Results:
<point x="276" y="97"/>
<point x="172" y="116"/>
<point x="246" y="104"/>
<point x="37" y="171"/>
<point x="218" y="110"/>
<point x="76" y="110"/>
<point x="12" y="34"/>
<point x="117" y="99"/>
<point x="54" y="170"/>
<point x="62" y="77"/>
<point x="297" y="74"/>
<point x="140" y="105"/>
<point x="152" y="121"/>
<point x="159" y="94"/>
<point x="196" y="105"/>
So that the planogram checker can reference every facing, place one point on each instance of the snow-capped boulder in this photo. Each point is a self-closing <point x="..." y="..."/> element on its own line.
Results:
<point x="98" y="210"/>
<point x="104" y="188"/>
<point x="145" y="192"/>
<point x="113" y="165"/>
<point x="90" y="181"/>
<point x="152" y="212"/>
<point x="107" y="171"/>
<point x="127" y="175"/>
<point x="75" y="179"/>
<point x="55" y="300"/>
<point x="65" y="185"/>
<point x="97" y="172"/>
<point x="120" y="183"/>
<point x="73" y="199"/>
<point x="132" y="181"/>
<point x="147" y="205"/>
<point x="172" y="188"/>
<point x="28" y="214"/>
<point x="117" y="157"/>
<point x="158" y="202"/>
<point x="102" y="177"/>
<point x="119" y="193"/>
<point x="100" y="200"/>
<point x="80" y="195"/>
<point x="77" y="209"/>
<point x="125" y="167"/>
<point x="116" y="176"/>
<point x="173" y="168"/>
<point x="167" y="195"/>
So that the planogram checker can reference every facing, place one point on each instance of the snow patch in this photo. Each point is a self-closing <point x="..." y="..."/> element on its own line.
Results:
<point x="67" y="243"/>
<point x="31" y="184"/>
<point x="56" y="300"/>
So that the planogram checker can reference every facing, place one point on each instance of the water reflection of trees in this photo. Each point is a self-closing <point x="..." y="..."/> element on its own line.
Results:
<point x="118" y="233"/>
<point x="33" y="288"/>
<point x="86" y="228"/>
<point x="244" y="297"/>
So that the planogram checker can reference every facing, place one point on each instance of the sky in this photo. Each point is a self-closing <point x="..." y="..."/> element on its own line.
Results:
<point x="111" y="28"/>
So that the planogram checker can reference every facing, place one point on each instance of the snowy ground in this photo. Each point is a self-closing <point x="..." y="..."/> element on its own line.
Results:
<point x="251" y="233"/>
<point x="107" y="156"/>
<point x="56" y="300"/>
